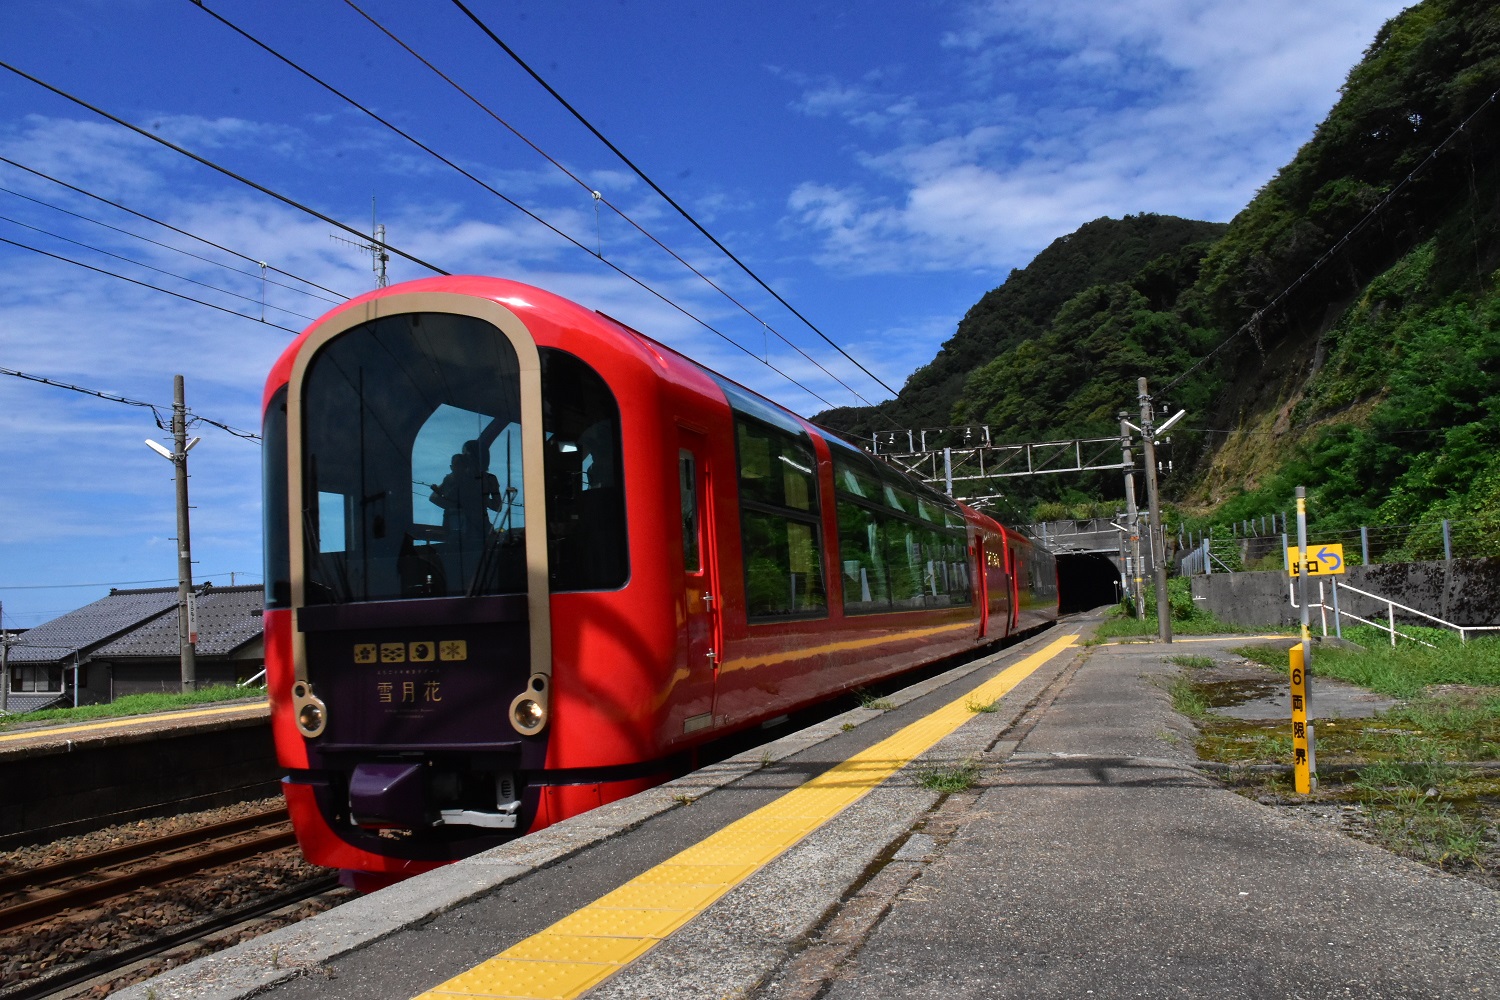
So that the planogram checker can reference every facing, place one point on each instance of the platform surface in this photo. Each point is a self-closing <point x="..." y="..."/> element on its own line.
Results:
<point x="59" y="734"/>
<point x="1090" y="860"/>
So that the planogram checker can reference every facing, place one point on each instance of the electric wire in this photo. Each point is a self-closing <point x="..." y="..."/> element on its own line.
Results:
<point x="156" y="408"/>
<point x="167" y="246"/>
<point x="145" y="284"/>
<point x="152" y="267"/>
<point x="599" y="198"/>
<point x="205" y="161"/>
<point x="113" y="583"/>
<point x="666" y="197"/>
<point x="497" y="193"/>
<point x="167" y="225"/>
<point x="1254" y="321"/>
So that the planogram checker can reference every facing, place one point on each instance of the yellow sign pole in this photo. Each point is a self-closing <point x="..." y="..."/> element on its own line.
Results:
<point x="1304" y="752"/>
<point x="1302" y="766"/>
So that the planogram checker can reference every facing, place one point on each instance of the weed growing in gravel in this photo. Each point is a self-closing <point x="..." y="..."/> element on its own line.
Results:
<point x="1187" y="699"/>
<point x="981" y="706"/>
<point x="949" y="778"/>
<point x="874" y="703"/>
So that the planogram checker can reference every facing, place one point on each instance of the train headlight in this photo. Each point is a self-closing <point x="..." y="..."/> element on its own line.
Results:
<point x="310" y="718"/>
<point x="311" y="713"/>
<point x="529" y="715"/>
<point x="528" y="710"/>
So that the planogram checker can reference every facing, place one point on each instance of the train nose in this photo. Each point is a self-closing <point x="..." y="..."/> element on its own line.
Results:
<point x="388" y="795"/>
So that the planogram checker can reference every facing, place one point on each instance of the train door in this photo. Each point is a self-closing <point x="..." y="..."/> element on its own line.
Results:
<point x="983" y="580"/>
<point x="703" y="629"/>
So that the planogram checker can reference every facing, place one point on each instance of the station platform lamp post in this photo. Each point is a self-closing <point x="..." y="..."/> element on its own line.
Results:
<point x="187" y="626"/>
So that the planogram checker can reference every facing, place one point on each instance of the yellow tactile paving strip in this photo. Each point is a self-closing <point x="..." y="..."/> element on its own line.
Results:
<point x="588" y="946"/>
<point x="131" y="721"/>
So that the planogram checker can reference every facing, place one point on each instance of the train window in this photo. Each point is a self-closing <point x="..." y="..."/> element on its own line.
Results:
<point x="410" y="427"/>
<point x="865" y="585"/>
<point x="900" y="546"/>
<point x="780" y="520"/>
<point x="783" y="566"/>
<point x="278" y="571"/>
<point x="586" y="541"/>
<point x="687" y="482"/>
<point x="776" y="468"/>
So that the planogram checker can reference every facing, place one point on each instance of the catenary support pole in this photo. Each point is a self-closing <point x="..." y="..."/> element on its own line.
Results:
<point x="1133" y="516"/>
<point x="1153" y="499"/>
<point x="187" y="640"/>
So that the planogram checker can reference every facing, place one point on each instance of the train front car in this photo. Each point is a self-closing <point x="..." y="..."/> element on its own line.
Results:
<point x="442" y="481"/>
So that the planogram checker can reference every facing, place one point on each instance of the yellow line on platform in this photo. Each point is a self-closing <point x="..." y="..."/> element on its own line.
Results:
<point x="126" y="721"/>
<point x="590" y="945"/>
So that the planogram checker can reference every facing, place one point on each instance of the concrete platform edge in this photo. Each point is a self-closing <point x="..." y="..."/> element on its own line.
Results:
<point x="257" y="965"/>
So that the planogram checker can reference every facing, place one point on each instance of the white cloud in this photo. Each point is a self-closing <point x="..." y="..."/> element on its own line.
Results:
<point x="1070" y="111"/>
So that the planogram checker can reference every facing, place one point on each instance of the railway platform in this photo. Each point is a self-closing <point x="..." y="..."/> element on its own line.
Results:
<point x="1088" y="858"/>
<point x="61" y="778"/>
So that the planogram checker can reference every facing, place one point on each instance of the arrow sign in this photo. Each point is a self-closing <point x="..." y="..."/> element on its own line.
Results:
<point x="1327" y="560"/>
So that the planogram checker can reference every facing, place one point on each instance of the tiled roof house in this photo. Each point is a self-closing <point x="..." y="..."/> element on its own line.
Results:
<point x="126" y="643"/>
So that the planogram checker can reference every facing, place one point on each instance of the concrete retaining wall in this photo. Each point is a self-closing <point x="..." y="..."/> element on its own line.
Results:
<point x="1463" y="591"/>
<point x="69" y="787"/>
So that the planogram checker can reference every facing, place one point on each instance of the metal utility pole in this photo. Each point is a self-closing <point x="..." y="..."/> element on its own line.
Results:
<point x="4" y="664"/>
<point x="187" y="624"/>
<point x="1153" y="498"/>
<point x="1138" y="589"/>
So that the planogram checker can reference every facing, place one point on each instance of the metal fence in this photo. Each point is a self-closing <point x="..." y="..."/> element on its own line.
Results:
<point x="1261" y="544"/>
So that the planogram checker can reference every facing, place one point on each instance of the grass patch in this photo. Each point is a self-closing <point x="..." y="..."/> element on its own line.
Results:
<point x="1187" y="699"/>
<point x="981" y="706"/>
<point x="875" y="702"/>
<point x="1192" y="662"/>
<point x="134" y="704"/>
<point x="1403" y="671"/>
<point x="949" y="778"/>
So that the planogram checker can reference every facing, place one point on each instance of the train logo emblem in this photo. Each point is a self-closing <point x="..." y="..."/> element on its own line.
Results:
<point x="449" y="651"/>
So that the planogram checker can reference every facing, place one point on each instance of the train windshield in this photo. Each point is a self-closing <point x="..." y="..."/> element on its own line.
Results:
<point x="413" y="479"/>
<point x="412" y="471"/>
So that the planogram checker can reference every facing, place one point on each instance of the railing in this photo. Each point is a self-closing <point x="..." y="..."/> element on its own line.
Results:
<point x="1389" y="625"/>
<point x="258" y="677"/>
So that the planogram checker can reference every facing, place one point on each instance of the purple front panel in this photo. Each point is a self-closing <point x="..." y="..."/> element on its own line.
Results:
<point x="399" y="682"/>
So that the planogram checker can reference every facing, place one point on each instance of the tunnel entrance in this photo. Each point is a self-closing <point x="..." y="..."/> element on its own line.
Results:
<point x="1086" y="580"/>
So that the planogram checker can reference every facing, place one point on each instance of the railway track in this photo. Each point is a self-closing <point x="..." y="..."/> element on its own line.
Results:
<point x="29" y="896"/>
<point x="42" y="900"/>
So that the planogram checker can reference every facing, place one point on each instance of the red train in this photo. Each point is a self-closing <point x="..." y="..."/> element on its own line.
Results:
<point x="521" y="560"/>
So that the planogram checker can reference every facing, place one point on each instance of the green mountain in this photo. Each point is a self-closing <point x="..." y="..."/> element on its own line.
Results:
<point x="1023" y="308"/>
<point x="1343" y="332"/>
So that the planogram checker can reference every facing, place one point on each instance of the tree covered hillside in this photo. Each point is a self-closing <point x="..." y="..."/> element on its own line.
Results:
<point x="1343" y="332"/>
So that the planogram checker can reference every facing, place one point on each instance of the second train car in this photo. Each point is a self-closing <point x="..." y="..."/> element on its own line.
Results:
<point x="522" y="559"/>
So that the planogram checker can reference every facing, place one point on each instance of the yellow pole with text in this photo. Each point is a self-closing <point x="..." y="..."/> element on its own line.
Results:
<point x="1301" y="758"/>
<point x="1304" y="752"/>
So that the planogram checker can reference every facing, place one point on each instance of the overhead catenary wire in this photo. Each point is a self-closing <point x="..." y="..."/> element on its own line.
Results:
<point x="145" y="284"/>
<point x="665" y="197"/>
<point x="167" y="225"/>
<point x="597" y="197"/>
<point x="152" y="267"/>
<point x="488" y="187"/>
<point x="155" y="408"/>
<point x="205" y="161"/>
<point x="169" y="247"/>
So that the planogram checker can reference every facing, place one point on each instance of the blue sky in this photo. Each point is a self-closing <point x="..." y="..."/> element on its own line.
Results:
<point x="881" y="165"/>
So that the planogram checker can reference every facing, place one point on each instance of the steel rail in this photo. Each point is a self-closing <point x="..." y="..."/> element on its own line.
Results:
<point x="94" y="967"/>
<point x="44" y="901"/>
